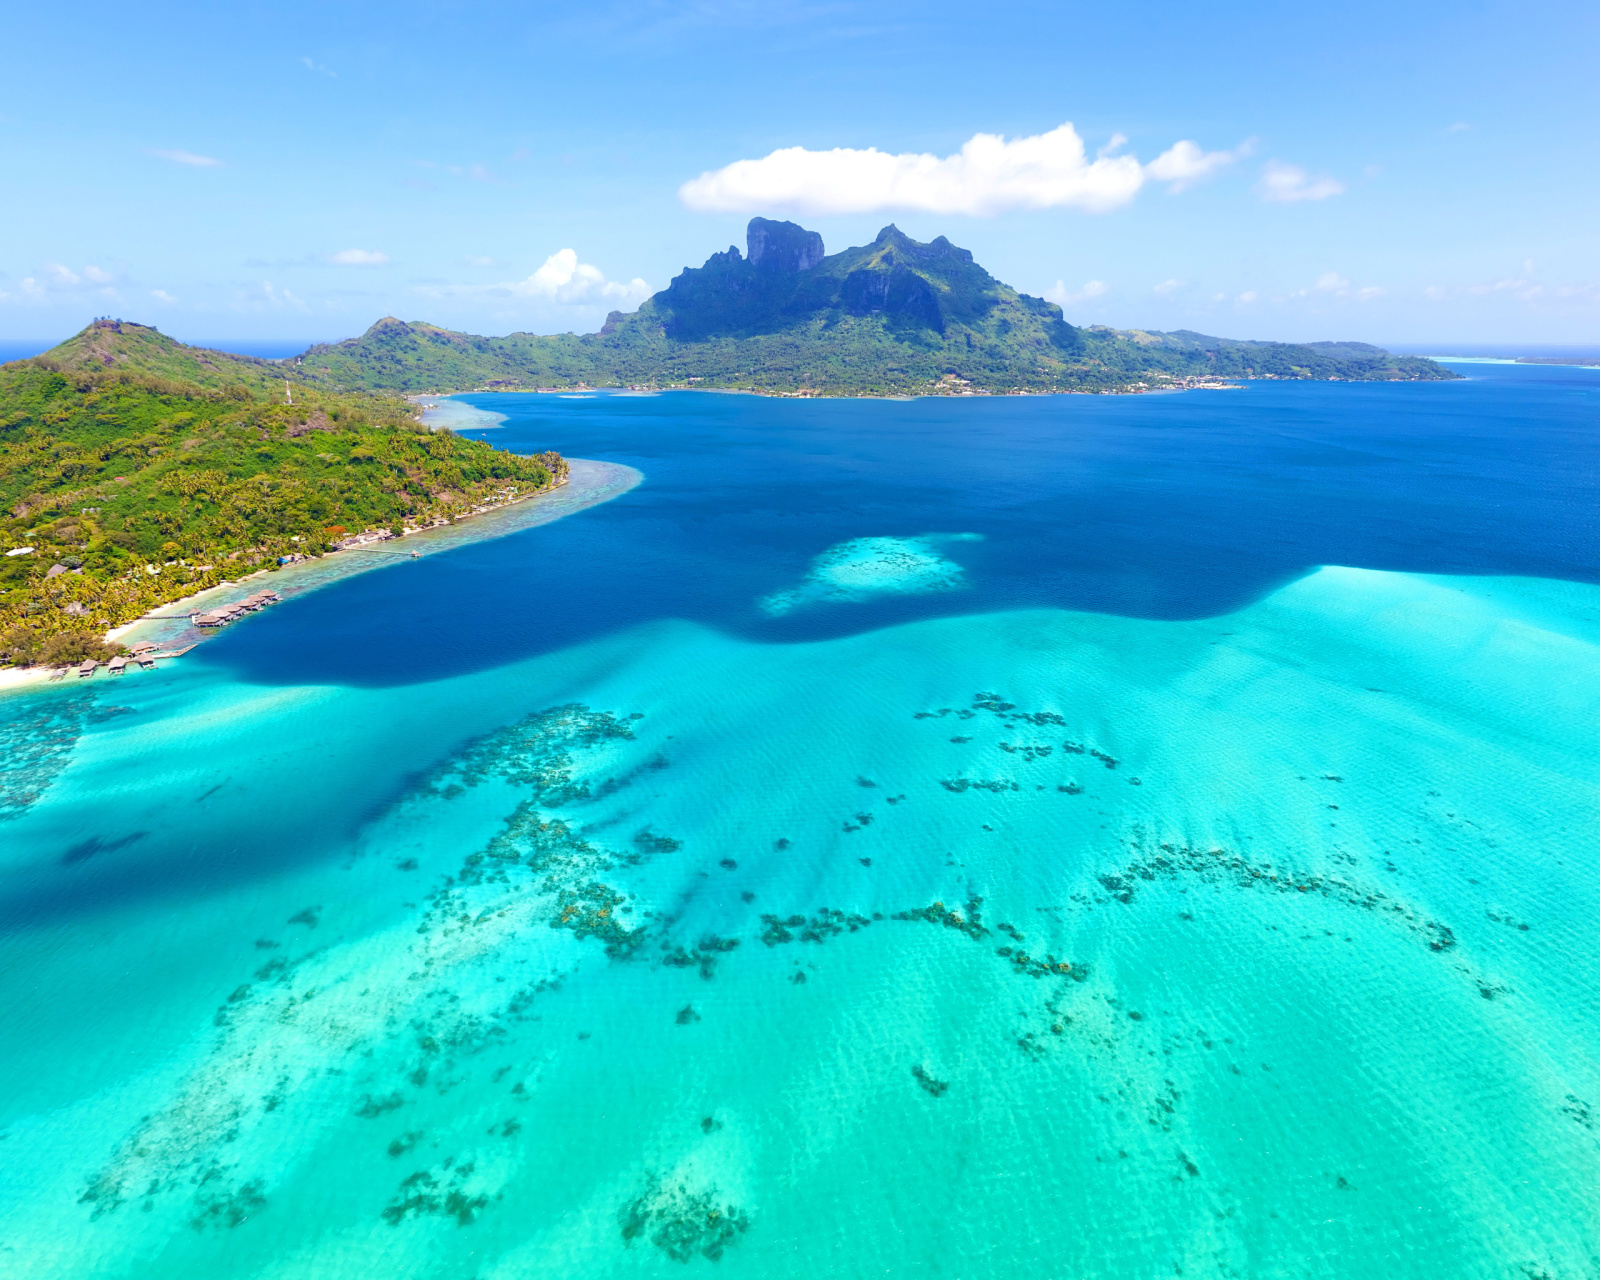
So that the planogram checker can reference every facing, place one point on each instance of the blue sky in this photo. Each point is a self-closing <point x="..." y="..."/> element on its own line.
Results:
<point x="1408" y="173"/>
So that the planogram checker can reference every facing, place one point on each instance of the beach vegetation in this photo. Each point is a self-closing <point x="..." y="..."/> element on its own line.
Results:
<point x="139" y="471"/>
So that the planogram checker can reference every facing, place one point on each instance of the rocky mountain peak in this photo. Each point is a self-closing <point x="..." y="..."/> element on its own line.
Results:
<point x="783" y="246"/>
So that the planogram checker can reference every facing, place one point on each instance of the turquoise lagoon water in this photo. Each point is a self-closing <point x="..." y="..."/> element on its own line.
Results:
<point x="1072" y="837"/>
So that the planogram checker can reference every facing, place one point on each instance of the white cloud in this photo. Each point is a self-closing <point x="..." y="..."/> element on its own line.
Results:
<point x="1170" y="286"/>
<point x="186" y="157"/>
<point x="319" y="68"/>
<point x="1460" y="126"/>
<point x="1184" y="164"/>
<point x="1332" y="284"/>
<point x="562" y="278"/>
<point x="161" y="295"/>
<point x="281" y="297"/>
<point x="1522" y="286"/>
<point x="1247" y="297"/>
<point x="1289" y="182"/>
<point x="478" y="262"/>
<point x="987" y="176"/>
<point x="56" y="281"/>
<point x="358" y="258"/>
<point x="565" y="279"/>
<point x="1061" y="295"/>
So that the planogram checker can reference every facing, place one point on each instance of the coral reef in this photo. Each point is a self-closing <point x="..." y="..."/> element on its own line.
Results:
<point x="682" y="1223"/>
<point x="36" y="742"/>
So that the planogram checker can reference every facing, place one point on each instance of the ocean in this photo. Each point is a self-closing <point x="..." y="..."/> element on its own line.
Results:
<point x="1073" y="837"/>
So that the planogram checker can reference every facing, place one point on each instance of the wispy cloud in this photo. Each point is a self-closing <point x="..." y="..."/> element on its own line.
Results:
<point x="1170" y="286"/>
<point x="477" y="172"/>
<point x="1184" y="164"/>
<point x="1331" y="284"/>
<point x="186" y="157"/>
<point x="1521" y="286"/>
<point x="1524" y="286"/>
<point x="161" y="295"/>
<point x="56" y="282"/>
<point x="1060" y="294"/>
<point x="1460" y="126"/>
<point x="279" y="298"/>
<point x="358" y="258"/>
<point x="478" y="262"/>
<point x="318" y="68"/>
<point x="1289" y="183"/>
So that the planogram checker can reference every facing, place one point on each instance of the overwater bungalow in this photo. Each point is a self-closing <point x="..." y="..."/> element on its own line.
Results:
<point x="117" y="665"/>
<point x="88" y="668"/>
<point x="235" y="610"/>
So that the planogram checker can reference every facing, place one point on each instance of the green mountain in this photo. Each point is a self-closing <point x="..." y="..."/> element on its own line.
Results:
<point x="894" y="316"/>
<point x="139" y="470"/>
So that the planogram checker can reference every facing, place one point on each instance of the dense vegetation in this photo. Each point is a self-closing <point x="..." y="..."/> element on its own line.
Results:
<point x="140" y="471"/>
<point x="894" y="316"/>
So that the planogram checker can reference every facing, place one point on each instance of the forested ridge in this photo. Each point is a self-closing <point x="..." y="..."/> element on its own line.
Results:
<point x="139" y="471"/>
<point x="894" y="317"/>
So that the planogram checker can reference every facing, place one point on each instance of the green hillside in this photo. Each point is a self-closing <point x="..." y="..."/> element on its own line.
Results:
<point x="894" y="316"/>
<point x="140" y="470"/>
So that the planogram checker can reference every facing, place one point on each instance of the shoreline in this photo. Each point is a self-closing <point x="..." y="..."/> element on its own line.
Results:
<point x="589" y="483"/>
<point x="1220" y="384"/>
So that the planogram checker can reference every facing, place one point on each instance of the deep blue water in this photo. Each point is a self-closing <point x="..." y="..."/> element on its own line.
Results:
<point x="1161" y="507"/>
<point x="22" y="349"/>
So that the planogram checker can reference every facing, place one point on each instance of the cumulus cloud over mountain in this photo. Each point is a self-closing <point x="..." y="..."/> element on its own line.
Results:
<point x="561" y="279"/>
<point x="989" y="175"/>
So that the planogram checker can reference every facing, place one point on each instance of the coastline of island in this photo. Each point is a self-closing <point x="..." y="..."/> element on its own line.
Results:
<point x="893" y="318"/>
<point x="170" y="626"/>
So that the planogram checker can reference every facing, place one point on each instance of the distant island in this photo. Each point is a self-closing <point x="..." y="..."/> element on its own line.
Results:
<point x="895" y="317"/>
<point x="135" y="471"/>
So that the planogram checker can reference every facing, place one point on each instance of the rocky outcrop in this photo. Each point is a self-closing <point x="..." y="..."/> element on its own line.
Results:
<point x="782" y="246"/>
<point x="894" y="290"/>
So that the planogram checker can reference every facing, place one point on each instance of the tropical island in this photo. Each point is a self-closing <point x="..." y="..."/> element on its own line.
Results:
<point x="135" y="471"/>
<point x="895" y="317"/>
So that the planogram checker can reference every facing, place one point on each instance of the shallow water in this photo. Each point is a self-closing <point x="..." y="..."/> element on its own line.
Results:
<point x="1069" y="877"/>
